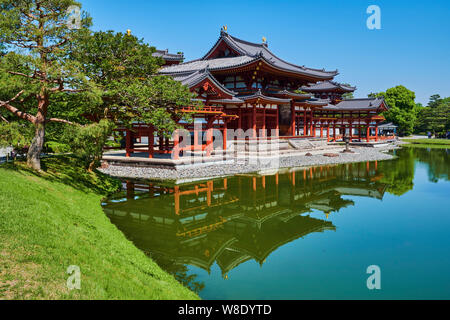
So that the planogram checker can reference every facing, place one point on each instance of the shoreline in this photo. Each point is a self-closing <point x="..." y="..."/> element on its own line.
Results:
<point x="188" y="173"/>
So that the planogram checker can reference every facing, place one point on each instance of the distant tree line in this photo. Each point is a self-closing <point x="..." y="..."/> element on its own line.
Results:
<point x="412" y="117"/>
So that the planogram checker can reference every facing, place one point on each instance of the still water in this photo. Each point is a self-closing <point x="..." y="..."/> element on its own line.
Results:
<point x="301" y="234"/>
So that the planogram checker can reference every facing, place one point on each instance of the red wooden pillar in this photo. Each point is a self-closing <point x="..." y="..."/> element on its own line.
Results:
<point x="209" y="137"/>
<point x="225" y="135"/>
<point x="293" y="124"/>
<point x="128" y="143"/>
<point x="376" y="132"/>
<point x="368" y="132"/>
<point x="151" y="142"/>
<point x="305" y="127"/>
<point x="176" y="150"/>
<point x="321" y="129"/>
<point x="254" y="121"/>
<point x="264" y="123"/>
<point x="277" y="128"/>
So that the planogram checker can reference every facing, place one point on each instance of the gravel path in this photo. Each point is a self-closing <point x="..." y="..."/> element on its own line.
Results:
<point x="195" y="172"/>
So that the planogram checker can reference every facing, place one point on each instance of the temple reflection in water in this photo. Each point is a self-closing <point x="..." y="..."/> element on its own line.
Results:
<point x="230" y="221"/>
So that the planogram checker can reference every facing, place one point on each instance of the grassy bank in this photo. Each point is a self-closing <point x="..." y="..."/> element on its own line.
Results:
<point x="53" y="220"/>
<point x="436" y="143"/>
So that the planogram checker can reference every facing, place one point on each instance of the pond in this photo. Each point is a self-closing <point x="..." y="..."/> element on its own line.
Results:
<point x="306" y="233"/>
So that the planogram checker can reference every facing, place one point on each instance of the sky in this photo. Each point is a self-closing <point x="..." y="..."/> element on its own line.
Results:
<point x="412" y="48"/>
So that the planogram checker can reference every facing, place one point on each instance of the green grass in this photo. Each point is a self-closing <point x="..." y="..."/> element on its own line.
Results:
<point x="52" y="220"/>
<point x="436" y="143"/>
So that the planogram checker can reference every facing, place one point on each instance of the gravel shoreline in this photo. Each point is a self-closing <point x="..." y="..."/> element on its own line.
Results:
<point x="198" y="172"/>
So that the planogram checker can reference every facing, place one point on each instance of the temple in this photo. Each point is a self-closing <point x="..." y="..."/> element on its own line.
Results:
<point x="243" y="85"/>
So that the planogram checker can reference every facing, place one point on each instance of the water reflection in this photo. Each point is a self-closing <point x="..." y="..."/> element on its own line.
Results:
<point x="234" y="220"/>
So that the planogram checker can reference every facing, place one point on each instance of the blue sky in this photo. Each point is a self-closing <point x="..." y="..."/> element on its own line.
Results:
<point x="412" y="48"/>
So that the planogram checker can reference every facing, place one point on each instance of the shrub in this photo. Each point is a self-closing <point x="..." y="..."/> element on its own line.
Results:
<point x="87" y="142"/>
<point x="16" y="135"/>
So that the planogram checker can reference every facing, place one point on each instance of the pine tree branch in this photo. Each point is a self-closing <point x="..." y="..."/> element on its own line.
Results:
<point x="60" y="121"/>
<point x="21" y="114"/>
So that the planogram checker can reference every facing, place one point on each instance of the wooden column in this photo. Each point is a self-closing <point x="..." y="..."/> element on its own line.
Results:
<point x="321" y="129"/>
<point x="225" y="135"/>
<point x="293" y="124"/>
<point x="264" y="122"/>
<point x="240" y="118"/>
<point x="334" y="130"/>
<point x="305" y="127"/>
<point x="376" y="132"/>
<point x="254" y="121"/>
<point x="368" y="132"/>
<point x="277" y="128"/>
<point x="209" y="136"/>
<point x="328" y="131"/>
<point x="128" y="143"/>
<point x="176" y="150"/>
<point x="151" y="142"/>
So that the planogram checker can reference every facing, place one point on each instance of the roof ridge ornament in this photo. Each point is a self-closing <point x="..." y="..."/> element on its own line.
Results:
<point x="224" y="29"/>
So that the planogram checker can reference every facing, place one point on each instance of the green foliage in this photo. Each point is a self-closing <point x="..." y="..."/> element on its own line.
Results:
<point x="87" y="142"/>
<point x="403" y="108"/>
<point x="57" y="147"/>
<point x="15" y="134"/>
<point x="123" y="68"/>
<point x="436" y="117"/>
<point x="37" y="69"/>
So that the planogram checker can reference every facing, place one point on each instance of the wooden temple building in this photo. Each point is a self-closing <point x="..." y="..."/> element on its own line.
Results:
<point x="243" y="85"/>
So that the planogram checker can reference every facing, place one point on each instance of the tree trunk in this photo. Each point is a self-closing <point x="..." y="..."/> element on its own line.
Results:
<point x="35" y="150"/>
<point x="34" y="153"/>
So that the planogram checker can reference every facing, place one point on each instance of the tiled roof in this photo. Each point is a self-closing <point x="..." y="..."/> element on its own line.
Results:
<point x="214" y="64"/>
<point x="260" y="95"/>
<point x="357" y="104"/>
<point x="233" y="100"/>
<point x="261" y="49"/>
<point x="292" y="94"/>
<point x="168" y="56"/>
<point x="194" y="78"/>
<point x="249" y="52"/>
<point x="326" y="86"/>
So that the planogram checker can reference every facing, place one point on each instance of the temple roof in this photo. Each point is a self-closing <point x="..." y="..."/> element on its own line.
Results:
<point x="247" y="53"/>
<point x="213" y="65"/>
<point x="358" y="104"/>
<point x="289" y="94"/>
<point x="259" y="96"/>
<point x="328" y="86"/>
<point x="168" y="56"/>
<point x="193" y="79"/>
